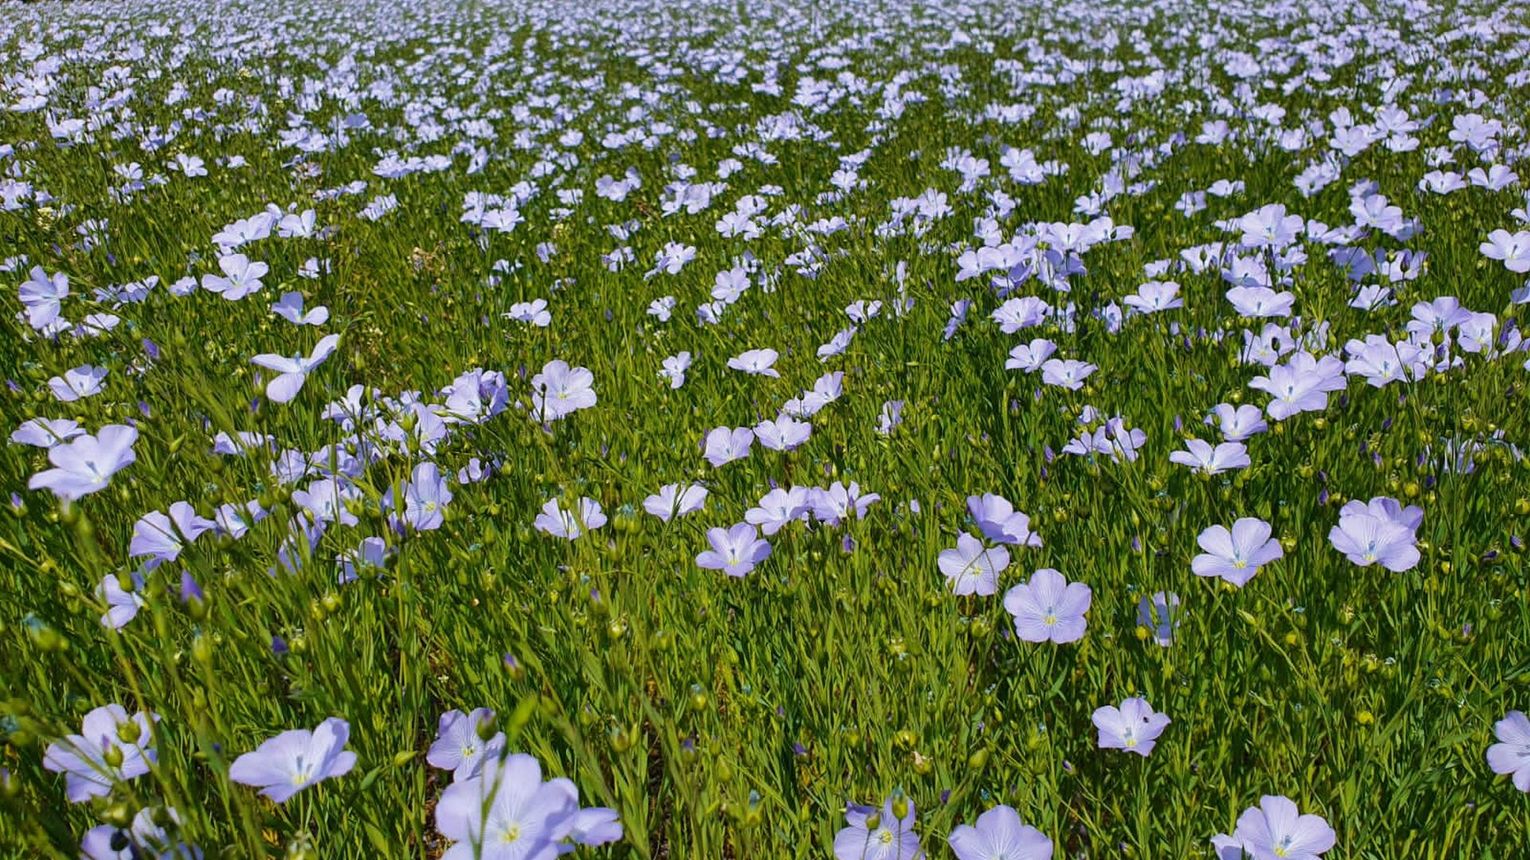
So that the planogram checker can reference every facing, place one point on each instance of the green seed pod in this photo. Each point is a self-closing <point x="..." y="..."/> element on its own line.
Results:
<point x="621" y="741"/>
<point x="118" y="814"/>
<point x="201" y="649"/>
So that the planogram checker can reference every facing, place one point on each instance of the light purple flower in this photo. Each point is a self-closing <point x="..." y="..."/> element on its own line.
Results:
<point x="671" y="501"/>
<point x="1237" y="554"/>
<point x="426" y="496"/>
<point x="80" y="382"/>
<point x="82" y="757"/>
<point x="293" y="370"/>
<point x="998" y="520"/>
<point x="240" y="277"/>
<point x="533" y="312"/>
<point x="460" y="746"/>
<point x="1512" y="249"/>
<point x="290" y="308"/>
<point x="144" y="839"/>
<point x="1367" y="539"/>
<point x="1301" y="385"/>
<point x="1386" y="508"/>
<point x="735" y="551"/>
<point x="162" y="538"/>
<point x="570" y="524"/>
<point x="1383" y="362"/>
<point x="42" y="296"/>
<point x="1275" y="830"/>
<point x="234" y="520"/>
<point x="294" y="760"/>
<point x="724" y="445"/>
<point x="240" y="443"/>
<point x="1049" y="608"/>
<point x="1133" y="727"/>
<point x="86" y="464"/>
<point x="371" y="554"/>
<point x="758" y="362"/>
<point x="1226" y="848"/>
<point x="1200" y="456"/>
<point x="328" y="500"/>
<point x="1030" y="357"/>
<point x="1154" y="296"/>
<point x="560" y="390"/>
<point x="1159" y="614"/>
<point x="1260" y="302"/>
<point x="1237" y="424"/>
<point x="595" y="826"/>
<point x="783" y="434"/>
<point x="1269" y="227"/>
<point x="675" y="367"/>
<point x="46" y="432"/>
<point x="839" y="502"/>
<point x="1067" y="373"/>
<point x="473" y="396"/>
<point x="95" y="325"/>
<point x="121" y="605"/>
<point x="507" y="813"/>
<point x="973" y="568"/>
<point x="892" y="838"/>
<point x="1511" y="755"/>
<point x="779" y="507"/>
<point x="999" y="835"/>
<point x="826" y="389"/>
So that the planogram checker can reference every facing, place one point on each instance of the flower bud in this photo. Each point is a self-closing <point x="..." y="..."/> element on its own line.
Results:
<point x="487" y="727"/>
<point x="514" y="667"/>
